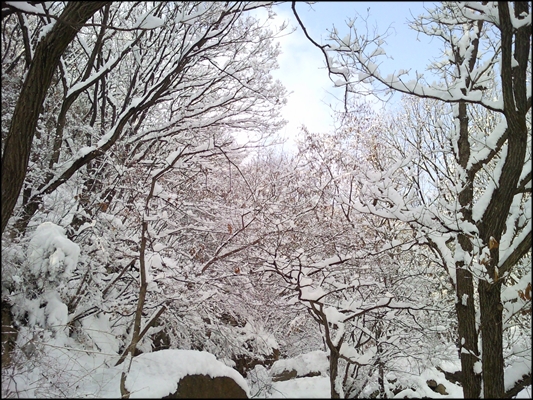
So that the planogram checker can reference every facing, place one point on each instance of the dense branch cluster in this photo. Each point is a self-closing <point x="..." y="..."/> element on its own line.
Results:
<point x="136" y="217"/>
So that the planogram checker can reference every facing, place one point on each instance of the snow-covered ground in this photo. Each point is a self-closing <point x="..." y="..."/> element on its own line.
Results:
<point x="155" y="375"/>
<point x="51" y="361"/>
<point x="76" y="373"/>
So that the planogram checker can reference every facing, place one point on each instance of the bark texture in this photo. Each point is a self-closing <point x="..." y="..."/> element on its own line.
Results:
<point x="19" y="140"/>
<point x="493" y="225"/>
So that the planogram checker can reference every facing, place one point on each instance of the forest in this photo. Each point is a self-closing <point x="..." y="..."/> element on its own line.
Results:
<point x="149" y="214"/>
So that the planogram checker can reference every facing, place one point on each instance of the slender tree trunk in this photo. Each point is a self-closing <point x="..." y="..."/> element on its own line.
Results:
<point x="19" y="139"/>
<point x="468" y="336"/>
<point x="381" y="379"/>
<point x="334" y="350"/>
<point x="333" y="372"/>
<point x="143" y="286"/>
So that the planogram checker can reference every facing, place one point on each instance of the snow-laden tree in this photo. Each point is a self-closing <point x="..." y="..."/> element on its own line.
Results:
<point x="348" y="272"/>
<point x="41" y="62"/>
<point x="464" y="183"/>
<point x="137" y="73"/>
<point x="132" y="142"/>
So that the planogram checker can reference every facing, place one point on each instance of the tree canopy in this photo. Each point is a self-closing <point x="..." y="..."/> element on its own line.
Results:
<point x="136" y="218"/>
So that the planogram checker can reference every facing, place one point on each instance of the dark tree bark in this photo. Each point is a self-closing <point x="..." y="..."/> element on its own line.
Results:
<point x="51" y="183"/>
<point x="493" y="224"/>
<point x="465" y="306"/>
<point x="317" y="312"/>
<point x="466" y="311"/>
<point x="19" y="140"/>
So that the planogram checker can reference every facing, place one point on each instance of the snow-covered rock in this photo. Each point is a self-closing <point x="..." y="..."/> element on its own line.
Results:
<point x="310" y="364"/>
<point x="160" y="373"/>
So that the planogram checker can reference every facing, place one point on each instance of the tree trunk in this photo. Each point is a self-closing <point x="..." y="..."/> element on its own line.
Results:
<point x="465" y="306"/>
<point x="493" y="225"/>
<point x="381" y="379"/>
<point x="19" y="139"/>
<point x="333" y="372"/>
<point x="492" y="343"/>
<point x="468" y="338"/>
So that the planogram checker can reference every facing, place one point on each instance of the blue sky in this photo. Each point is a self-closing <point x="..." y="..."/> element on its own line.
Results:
<point x="302" y="65"/>
<point x="321" y="16"/>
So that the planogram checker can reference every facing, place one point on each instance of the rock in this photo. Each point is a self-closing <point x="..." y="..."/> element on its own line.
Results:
<point x="205" y="387"/>
<point x="454" y="377"/>
<point x="285" y="375"/>
<point x="432" y="383"/>
<point x="441" y="389"/>
<point x="176" y="373"/>
<point x="243" y="363"/>
<point x="306" y="365"/>
<point x="290" y="374"/>
<point x="438" y="388"/>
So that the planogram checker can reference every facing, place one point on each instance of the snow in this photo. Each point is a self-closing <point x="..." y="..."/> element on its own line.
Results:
<point x="157" y="374"/>
<point x="56" y="312"/>
<point x="148" y="22"/>
<point x="44" y="31"/>
<point x="331" y="260"/>
<point x="26" y="7"/>
<point x="84" y="151"/>
<point x="514" y="373"/>
<point x="506" y="252"/>
<point x="51" y="253"/>
<point x="360" y="358"/>
<point x="98" y="328"/>
<point x="477" y="367"/>
<point x="520" y="22"/>
<point x="312" y="294"/>
<point x="110" y="64"/>
<point x="315" y="387"/>
<point x="333" y="315"/>
<point x="490" y="144"/>
<point x="159" y="246"/>
<point x="152" y="375"/>
<point x="174" y="156"/>
<point x="265" y="341"/>
<point x="98" y="338"/>
<point x="315" y="361"/>
<point x="526" y="393"/>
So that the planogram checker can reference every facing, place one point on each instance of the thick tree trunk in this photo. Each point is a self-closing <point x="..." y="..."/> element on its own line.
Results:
<point x="493" y="225"/>
<point x="19" y="139"/>
<point x="492" y="343"/>
<point x="465" y="306"/>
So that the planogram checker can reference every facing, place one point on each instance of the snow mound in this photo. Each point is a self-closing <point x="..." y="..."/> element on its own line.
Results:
<point x="316" y="387"/>
<point x="157" y="374"/>
<point x="315" y="361"/>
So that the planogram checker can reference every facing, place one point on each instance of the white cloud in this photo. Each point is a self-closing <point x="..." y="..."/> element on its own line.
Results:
<point x="302" y="71"/>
